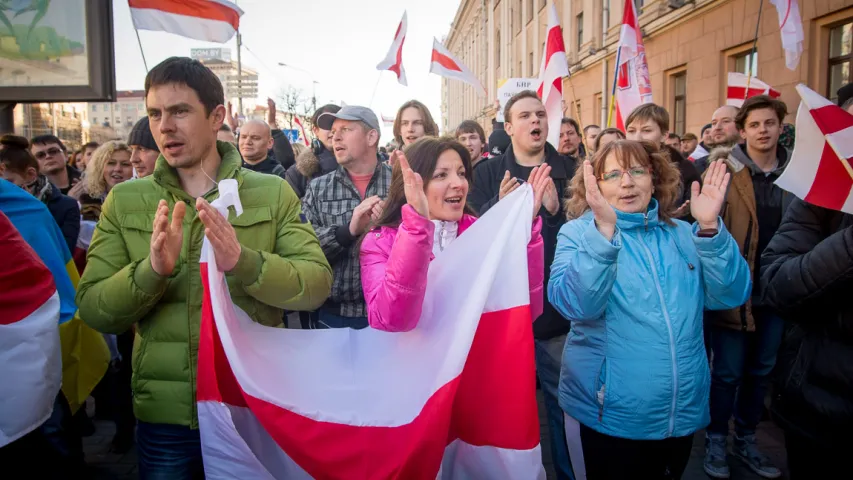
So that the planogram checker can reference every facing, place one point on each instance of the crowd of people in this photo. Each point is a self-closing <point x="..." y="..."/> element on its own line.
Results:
<point x="671" y="281"/>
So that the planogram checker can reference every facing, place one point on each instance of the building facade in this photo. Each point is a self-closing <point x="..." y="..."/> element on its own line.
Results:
<point x="691" y="45"/>
<point x="120" y="115"/>
<point x="237" y="82"/>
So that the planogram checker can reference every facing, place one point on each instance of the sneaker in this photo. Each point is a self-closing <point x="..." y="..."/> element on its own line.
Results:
<point x="715" y="464"/>
<point x="747" y="450"/>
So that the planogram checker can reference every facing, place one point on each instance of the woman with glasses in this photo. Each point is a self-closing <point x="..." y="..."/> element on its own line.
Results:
<point x="634" y="282"/>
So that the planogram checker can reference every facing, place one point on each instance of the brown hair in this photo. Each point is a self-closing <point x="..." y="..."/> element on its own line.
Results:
<point x="423" y="157"/>
<point x="666" y="178"/>
<point x="471" y="126"/>
<point x="95" y="183"/>
<point x="759" y="102"/>
<point x="515" y="98"/>
<point x="650" y="111"/>
<point x="15" y="154"/>
<point x="608" y="131"/>
<point x="430" y="128"/>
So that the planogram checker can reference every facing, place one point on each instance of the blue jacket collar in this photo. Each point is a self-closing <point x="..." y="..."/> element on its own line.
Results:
<point x="628" y="221"/>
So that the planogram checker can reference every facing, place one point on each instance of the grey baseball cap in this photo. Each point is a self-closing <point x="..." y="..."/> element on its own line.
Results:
<point x="349" y="112"/>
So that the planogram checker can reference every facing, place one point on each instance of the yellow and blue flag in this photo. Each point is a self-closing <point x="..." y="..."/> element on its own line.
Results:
<point x="85" y="356"/>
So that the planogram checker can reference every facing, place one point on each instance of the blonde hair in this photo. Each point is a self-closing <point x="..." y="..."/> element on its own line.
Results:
<point x="96" y="186"/>
<point x="666" y="179"/>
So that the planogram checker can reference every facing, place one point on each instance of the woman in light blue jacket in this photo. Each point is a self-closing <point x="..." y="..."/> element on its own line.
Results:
<point x="634" y="282"/>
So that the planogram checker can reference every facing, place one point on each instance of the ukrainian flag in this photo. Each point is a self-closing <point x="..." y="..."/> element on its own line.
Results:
<point x="85" y="356"/>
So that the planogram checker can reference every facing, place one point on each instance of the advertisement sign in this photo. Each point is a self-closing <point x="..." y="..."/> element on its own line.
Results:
<point x="507" y="87"/>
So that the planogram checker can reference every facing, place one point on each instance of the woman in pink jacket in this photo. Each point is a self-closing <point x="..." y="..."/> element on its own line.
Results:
<point x="419" y="220"/>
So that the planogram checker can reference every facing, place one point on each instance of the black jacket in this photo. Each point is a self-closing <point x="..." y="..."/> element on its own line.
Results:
<point x="807" y="276"/>
<point x="484" y="193"/>
<point x="308" y="167"/>
<point x="689" y="174"/>
<point x="282" y="149"/>
<point x="66" y="212"/>
<point x="269" y="166"/>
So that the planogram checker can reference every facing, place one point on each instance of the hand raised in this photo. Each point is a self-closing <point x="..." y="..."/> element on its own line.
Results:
<point x="705" y="205"/>
<point x="167" y="238"/>
<point x="271" y="120"/>
<point x="361" y="215"/>
<point x="508" y="185"/>
<point x="605" y="216"/>
<point x="540" y="179"/>
<point x="414" y="187"/>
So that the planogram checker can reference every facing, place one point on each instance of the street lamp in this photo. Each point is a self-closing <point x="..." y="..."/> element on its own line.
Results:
<point x="313" y="82"/>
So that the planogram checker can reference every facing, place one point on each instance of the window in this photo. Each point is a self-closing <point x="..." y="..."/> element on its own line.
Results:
<point x="747" y="63"/>
<point x="679" y="102"/>
<point x="94" y="108"/>
<point x="638" y="4"/>
<point x="840" y="56"/>
<point x="118" y="120"/>
<point x="580" y="30"/>
<point x="94" y="120"/>
<point x="530" y="55"/>
<point x="497" y="48"/>
<point x="106" y="107"/>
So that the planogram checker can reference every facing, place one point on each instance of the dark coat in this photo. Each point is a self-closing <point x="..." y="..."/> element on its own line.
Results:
<point x="308" y="167"/>
<point x="484" y="194"/>
<point x="66" y="212"/>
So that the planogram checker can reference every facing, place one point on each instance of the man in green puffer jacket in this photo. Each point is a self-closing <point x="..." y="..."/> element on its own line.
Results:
<point x="143" y="267"/>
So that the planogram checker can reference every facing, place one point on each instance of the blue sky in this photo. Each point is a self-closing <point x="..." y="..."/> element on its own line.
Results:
<point x="338" y="41"/>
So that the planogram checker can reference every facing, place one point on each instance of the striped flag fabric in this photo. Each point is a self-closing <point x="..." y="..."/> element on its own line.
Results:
<point x="554" y="67"/>
<point x="444" y="64"/>
<point x="209" y="20"/>
<point x="791" y="29"/>
<point x="301" y="130"/>
<point x="633" y="85"/>
<point x="453" y="399"/>
<point x="393" y="61"/>
<point x="29" y="337"/>
<point x="85" y="356"/>
<point x="740" y="87"/>
<point x="820" y="171"/>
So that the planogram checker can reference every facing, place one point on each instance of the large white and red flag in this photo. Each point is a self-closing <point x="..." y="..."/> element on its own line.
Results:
<point x="554" y="67"/>
<point x="208" y="20"/>
<point x="820" y="171"/>
<point x="741" y="87"/>
<point x="393" y="61"/>
<point x="791" y="28"/>
<point x="30" y="355"/>
<point x="633" y="86"/>
<point x="453" y="399"/>
<point x="444" y="64"/>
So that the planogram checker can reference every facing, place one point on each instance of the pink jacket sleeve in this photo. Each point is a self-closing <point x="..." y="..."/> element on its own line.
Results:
<point x="536" y="269"/>
<point x="394" y="279"/>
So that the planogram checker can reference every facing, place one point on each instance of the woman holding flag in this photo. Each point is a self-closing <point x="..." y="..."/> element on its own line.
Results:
<point x="420" y="219"/>
<point x="634" y="283"/>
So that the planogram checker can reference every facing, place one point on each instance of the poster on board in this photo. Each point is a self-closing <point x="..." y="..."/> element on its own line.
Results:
<point x="507" y="87"/>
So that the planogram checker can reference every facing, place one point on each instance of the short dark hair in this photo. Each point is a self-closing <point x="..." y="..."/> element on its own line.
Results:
<point x="471" y="126"/>
<point x="573" y="123"/>
<point x="193" y="74"/>
<point x="94" y="145"/>
<point x="650" y="111"/>
<point x="608" y="131"/>
<point x="760" y="102"/>
<point x="46" y="140"/>
<point x="225" y="128"/>
<point x="706" y="127"/>
<point x="15" y="154"/>
<point x="673" y="135"/>
<point x="515" y="98"/>
<point x="327" y="108"/>
<point x="586" y="128"/>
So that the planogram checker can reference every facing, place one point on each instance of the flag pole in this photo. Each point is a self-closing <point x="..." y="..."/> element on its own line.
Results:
<point x="752" y="52"/>
<point x="575" y="103"/>
<point x="144" y="63"/>
<point x="375" y="87"/>
<point x="613" y="90"/>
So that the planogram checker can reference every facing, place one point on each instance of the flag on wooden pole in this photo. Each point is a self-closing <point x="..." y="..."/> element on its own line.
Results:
<point x="554" y="67"/>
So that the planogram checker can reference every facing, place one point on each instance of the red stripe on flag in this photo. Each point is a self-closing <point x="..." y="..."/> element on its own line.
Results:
<point x="25" y="283"/>
<point x="399" y="61"/>
<point x="482" y="406"/>
<point x="740" y="93"/>
<point x="831" y="119"/>
<point x="445" y="61"/>
<point x="205" y="9"/>
<point x="832" y="183"/>
<point x="555" y="43"/>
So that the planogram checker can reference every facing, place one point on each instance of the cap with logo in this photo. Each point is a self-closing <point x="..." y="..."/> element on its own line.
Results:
<point x="349" y="112"/>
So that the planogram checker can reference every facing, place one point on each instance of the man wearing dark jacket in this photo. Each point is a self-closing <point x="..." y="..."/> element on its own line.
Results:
<point x="255" y="142"/>
<point x="527" y="126"/>
<point x="316" y="161"/>
<point x="745" y="340"/>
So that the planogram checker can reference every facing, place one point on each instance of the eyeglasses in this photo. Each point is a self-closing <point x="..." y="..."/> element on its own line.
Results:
<point x="52" y="151"/>
<point x="614" y="176"/>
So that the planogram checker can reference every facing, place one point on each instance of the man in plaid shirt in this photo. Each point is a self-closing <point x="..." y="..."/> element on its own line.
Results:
<point x="340" y="206"/>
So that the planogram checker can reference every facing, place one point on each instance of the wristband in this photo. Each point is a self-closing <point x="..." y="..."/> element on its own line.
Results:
<point x="707" y="232"/>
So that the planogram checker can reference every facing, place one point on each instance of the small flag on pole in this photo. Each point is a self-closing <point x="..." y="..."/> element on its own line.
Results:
<point x="820" y="171"/>
<point x="633" y="86"/>
<point x="394" y="59"/>
<point x="301" y="130"/>
<point x="208" y="20"/>
<point x="737" y="90"/>
<point x="554" y="68"/>
<point x="445" y="65"/>
<point x="791" y="28"/>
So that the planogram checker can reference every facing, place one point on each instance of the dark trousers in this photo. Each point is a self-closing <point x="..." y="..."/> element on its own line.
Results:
<point x="34" y="455"/>
<point x="739" y="375"/>
<point x="808" y="459"/>
<point x="613" y="458"/>
<point x="327" y="318"/>
<point x="63" y="438"/>
<point x="168" y="452"/>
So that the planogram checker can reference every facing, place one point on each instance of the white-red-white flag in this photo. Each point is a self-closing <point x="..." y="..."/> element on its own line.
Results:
<point x="301" y="130"/>
<point x="31" y="371"/>
<point x="393" y="61"/>
<point x="208" y="20"/>
<point x="444" y="64"/>
<point x="453" y="399"/>
<point x="741" y="87"/>
<point x="633" y="86"/>
<point x="791" y="28"/>
<point x="554" y="67"/>
<point x="820" y="170"/>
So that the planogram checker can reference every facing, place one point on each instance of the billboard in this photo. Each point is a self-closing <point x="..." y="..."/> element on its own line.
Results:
<point x="507" y="87"/>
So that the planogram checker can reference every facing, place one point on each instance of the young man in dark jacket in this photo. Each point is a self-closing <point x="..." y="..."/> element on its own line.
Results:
<point x="316" y="161"/>
<point x="527" y="126"/>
